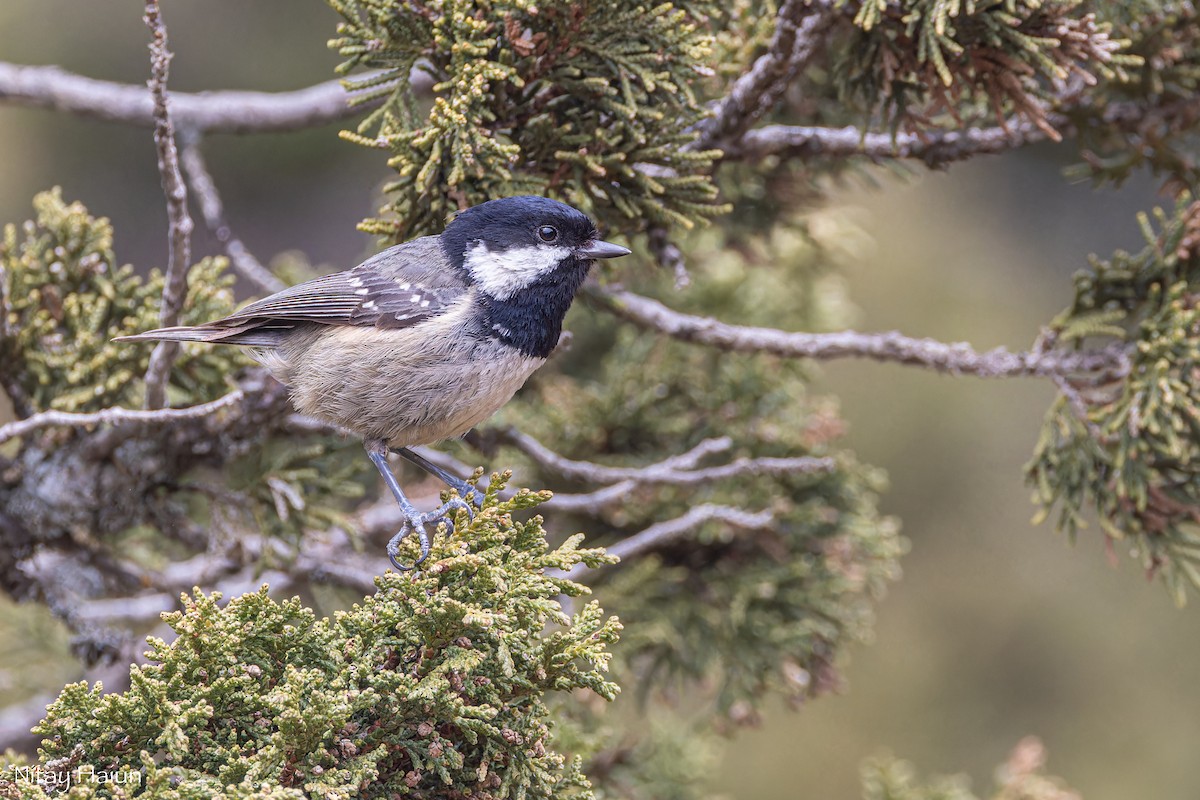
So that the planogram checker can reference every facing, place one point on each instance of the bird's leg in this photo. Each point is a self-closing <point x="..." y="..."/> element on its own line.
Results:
<point x="465" y="489"/>
<point x="377" y="451"/>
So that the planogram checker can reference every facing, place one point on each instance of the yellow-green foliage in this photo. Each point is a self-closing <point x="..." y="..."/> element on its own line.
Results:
<point x="592" y="104"/>
<point x="67" y="299"/>
<point x="433" y="687"/>
<point x="1130" y="452"/>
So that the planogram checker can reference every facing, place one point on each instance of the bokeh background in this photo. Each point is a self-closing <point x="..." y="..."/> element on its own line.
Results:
<point x="998" y="629"/>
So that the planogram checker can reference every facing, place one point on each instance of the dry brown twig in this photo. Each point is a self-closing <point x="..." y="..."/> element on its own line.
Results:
<point x="179" y="221"/>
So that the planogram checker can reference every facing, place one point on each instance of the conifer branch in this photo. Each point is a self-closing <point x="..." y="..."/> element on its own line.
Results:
<point x="179" y="221"/>
<point x="956" y="358"/>
<point x="213" y="211"/>
<point x="205" y="112"/>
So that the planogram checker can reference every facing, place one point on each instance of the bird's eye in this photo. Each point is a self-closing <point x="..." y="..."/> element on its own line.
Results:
<point x="547" y="233"/>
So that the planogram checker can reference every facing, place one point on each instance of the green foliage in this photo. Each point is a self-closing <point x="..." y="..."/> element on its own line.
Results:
<point x="434" y="686"/>
<point x="591" y="104"/>
<point x="916" y="59"/>
<point x="66" y="299"/>
<point x="1127" y="446"/>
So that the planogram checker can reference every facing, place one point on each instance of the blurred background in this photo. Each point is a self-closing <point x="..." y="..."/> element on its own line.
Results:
<point x="997" y="629"/>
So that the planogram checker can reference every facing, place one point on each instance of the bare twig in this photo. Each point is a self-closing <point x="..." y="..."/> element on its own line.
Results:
<point x="599" y="473"/>
<point x="214" y="217"/>
<point x="955" y="358"/>
<point x="678" y="470"/>
<point x="594" y="502"/>
<point x="112" y="416"/>
<point x="179" y="221"/>
<point x="798" y="35"/>
<point x="205" y="112"/>
<point x="661" y="534"/>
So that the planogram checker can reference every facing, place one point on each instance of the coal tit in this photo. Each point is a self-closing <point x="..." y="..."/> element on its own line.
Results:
<point x="424" y="340"/>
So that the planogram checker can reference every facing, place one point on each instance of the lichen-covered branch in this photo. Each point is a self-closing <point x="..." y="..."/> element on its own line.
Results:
<point x="115" y="416"/>
<point x="935" y="148"/>
<point x="957" y="358"/>
<point x="57" y="89"/>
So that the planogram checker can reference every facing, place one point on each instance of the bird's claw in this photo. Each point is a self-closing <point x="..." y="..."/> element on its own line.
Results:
<point x="417" y="522"/>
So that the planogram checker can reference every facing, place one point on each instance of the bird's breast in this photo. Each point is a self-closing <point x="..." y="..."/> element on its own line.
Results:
<point x="409" y="386"/>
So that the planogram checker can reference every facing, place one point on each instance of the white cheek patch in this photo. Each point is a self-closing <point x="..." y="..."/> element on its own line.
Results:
<point x="504" y="274"/>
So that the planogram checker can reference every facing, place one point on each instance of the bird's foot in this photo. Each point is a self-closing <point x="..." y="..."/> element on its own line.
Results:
<point x="416" y="521"/>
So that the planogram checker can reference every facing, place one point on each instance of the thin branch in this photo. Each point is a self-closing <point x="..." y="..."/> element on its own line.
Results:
<point x="113" y="416"/>
<point x="205" y="112"/>
<point x="214" y="217"/>
<point x="954" y="358"/>
<point x="600" y="473"/>
<point x="664" y="533"/>
<point x="678" y="470"/>
<point x="594" y="502"/>
<point x="179" y="229"/>
<point x="800" y="25"/>
<point x="934" y="148"/>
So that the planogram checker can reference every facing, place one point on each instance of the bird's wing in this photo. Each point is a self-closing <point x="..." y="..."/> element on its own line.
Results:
<point x="396" y="288"/>
<point x="393" y="289"/>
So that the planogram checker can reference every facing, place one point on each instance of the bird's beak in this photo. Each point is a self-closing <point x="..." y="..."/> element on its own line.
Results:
<point x="599" y="249"/>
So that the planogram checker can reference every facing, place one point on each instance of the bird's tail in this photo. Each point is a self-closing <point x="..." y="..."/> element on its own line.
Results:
<point x="179" y="333"/>
<point x="247" y="335"/>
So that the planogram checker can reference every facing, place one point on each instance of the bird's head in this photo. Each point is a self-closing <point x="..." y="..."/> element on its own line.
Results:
<point x="509" y="245"/>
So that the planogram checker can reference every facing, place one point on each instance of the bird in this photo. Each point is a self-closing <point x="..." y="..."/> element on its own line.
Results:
<point x="424" y="340"/>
